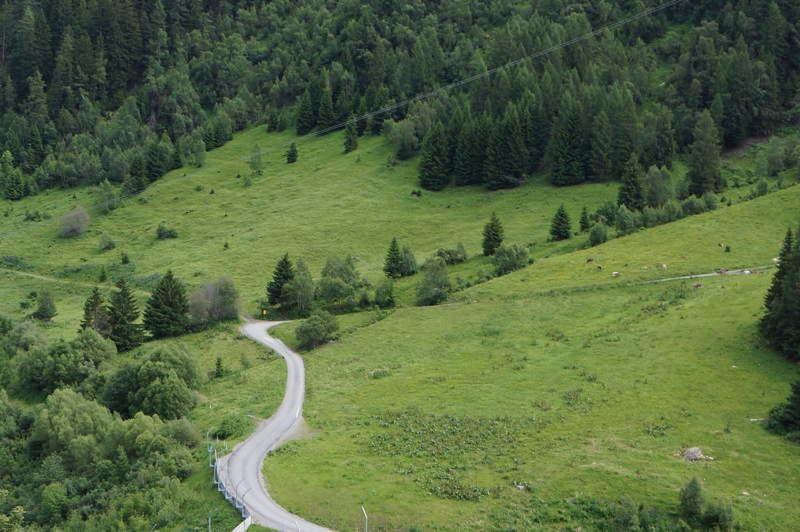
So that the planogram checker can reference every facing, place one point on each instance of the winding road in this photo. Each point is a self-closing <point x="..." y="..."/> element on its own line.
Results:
<point x="240" y="471"/>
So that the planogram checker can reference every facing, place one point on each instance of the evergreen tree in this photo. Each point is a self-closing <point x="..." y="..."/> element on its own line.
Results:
<point x="469" y="159"/>
<point x="433" y="169"/>
<point x="780" y="324"/>
<point x="561" y="227"/>
<point x="492" y="236"/>
<point x="691" y="505"/>
<point x="350" y="136"/>
<point x="160" y="157"/>
<point x="585" y="222"/>
<point x="45" y="306"/>
<point x="631" y="193"/>
<point x="704" y="157"/>
<point x="393" y="266"/>
<point x="122" y="315"/>
<point x="327" y="115"/>
<point x="95" y="314"/>
<point x="306" y="116"/>
<point x="167" y="310"/>
<point x="599" y="159"/>
<point x="284" y="272"/>
<point x="291" y="154"/>
<point x="785" y="418"/>
<point x="565" y="149"/>
<point x="363" y="121"/>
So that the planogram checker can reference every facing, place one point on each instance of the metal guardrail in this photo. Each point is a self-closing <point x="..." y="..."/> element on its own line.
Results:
<point x="232" y="498"/>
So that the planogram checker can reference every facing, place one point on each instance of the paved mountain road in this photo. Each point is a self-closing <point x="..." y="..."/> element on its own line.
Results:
<point x="240" y="471"/>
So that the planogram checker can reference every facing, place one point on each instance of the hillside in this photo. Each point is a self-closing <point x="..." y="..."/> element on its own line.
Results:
<point x="578" y="389"/>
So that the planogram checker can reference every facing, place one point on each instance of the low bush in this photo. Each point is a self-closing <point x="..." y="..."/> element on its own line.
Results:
<point x="598" y="235"/>
<point x="320" y="328"/>
<point x="106" y="243"/>
<point x="74" y="223"/>
<point x="453" y="256"/>
<point x="509" y="259"/>
<point x="164" y="233"/>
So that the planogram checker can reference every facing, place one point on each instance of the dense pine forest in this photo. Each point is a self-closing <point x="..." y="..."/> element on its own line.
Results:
<point x="125" y="91"/>
<point x="100" y="430"/>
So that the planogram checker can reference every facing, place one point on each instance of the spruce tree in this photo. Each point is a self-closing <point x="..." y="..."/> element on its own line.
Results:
<point x="327" y="115"/>
<point x="306" y="116"/>
<point x="497" y="172"/>
<point x="780" y="324"/>
<point x="631" y="193"/>
<point x="291" y="154"/>
<point x="350" y="136"/>
<point x="393" y="266"/>
<point x="122" y="315"/>
<point x="704" y="157"/>
<point x="561" y="227"/>
<point x="585" y="222"/>
<point x="166" y="314"/>
<point x="95" y="314"/>
<point x="565" y="149"/>
<point x="433" y="169"/>
<point x="284" y="272"/>
<point x="492" y="236"/>
<point x="599" y="160"/>
<point x="363" y="121"/>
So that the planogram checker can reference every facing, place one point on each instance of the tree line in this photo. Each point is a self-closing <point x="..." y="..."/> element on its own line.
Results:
<point x="128" y="90"/>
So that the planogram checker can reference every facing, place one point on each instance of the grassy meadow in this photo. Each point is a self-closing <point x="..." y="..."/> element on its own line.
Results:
<point x="518" y="413"/>
<point x="517" y="404"/>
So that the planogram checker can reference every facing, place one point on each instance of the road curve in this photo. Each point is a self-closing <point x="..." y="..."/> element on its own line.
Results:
<point x="240" y="471"/>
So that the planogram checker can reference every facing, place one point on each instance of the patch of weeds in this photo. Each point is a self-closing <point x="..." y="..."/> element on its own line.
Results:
<point x="576" y="399"/>
<point x="657" y="428"/>
<point x="556" y="335"/>
<point x="446" y="446"/>
<point x="14" y="262"/>
<point x="378" y="373"/>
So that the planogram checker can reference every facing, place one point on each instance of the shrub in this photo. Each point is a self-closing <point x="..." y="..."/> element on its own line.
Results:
<point x="320" y="328"/>
<point x="215" y="301"/>
<point x="45" y="307"/>
<point x="762" y="188"/>
<point x="627" y="221"/>
<point x="408" y="263"/>
<point x="435" y="284"/>
<point x="785" y="418"/>
<point x="693" y="205"/>
<point x="671" y="211"/>
<point x="711" y="201"/>
<point x="163" y="232"/>
<point x="598" y="235"/>
<point x="105" y="197"/>
<point x="453" y="256"/>
<point x="106" y="243"/>
<point x="384" y="294"/>
<point x="718" y="516"/>
<point x="691" y="501"/>
<point x="509" y="259"/>
<point x="74" y="223"/>
<point x="231" y="425"/>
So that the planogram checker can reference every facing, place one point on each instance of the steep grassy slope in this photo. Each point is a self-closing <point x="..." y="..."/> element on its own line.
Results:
<point x="436" y="417"/>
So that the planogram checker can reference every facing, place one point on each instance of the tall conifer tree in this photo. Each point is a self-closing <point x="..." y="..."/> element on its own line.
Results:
<point x="122" y="315"/>
<point x="166" y="314"/>
<point x="284" y="272"/>
<point x="433" y="169"/>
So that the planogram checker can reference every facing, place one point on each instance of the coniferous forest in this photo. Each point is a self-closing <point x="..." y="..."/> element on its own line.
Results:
<point x="125" y="91"/>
